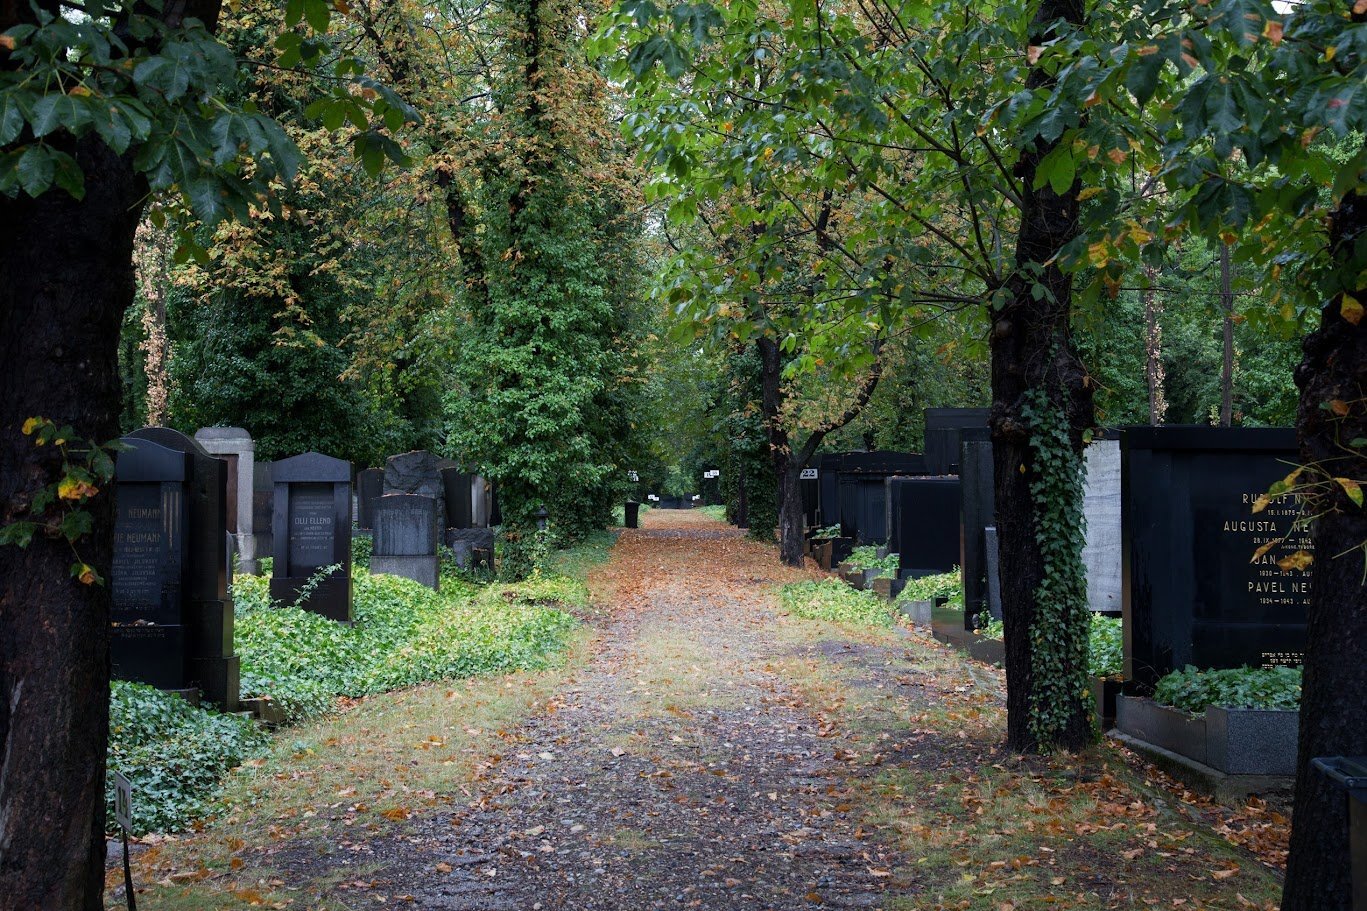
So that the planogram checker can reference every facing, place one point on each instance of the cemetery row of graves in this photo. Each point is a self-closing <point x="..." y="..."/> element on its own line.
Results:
<point x="250" y="595"/>
<point x="1197" y="581"/>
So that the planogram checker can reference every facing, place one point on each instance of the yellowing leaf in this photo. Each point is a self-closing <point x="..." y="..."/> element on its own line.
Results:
<point x="1261" y="503"/>
<point x="1352" y="488"/>
<point x="1299" y="560"/>
<point x="7" y="42"/>
<point x="1087" y="193"/>
<point x="1351" y="309"/>
<point x="1272" y="31"/>
<point x="1118" y="155"/>
<point x="31" y="425"/>
<point x="1032" y="54"/>
<point x="1339" y="407"/>
<point x="1262" y="551"/>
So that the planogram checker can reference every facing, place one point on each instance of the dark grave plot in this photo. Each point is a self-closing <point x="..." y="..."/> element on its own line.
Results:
<point x="206" y="608"/>
<point x="458" y="493"/>
<point x="406" y="538"/>
<point x="312" y="521"/>
<point x="147" y="577"/>
<point x="418" y="473"/>
<point x="928" y="520"/>
<point x="263" y="508"/>
<point x="369" y="486"/>
<point x="977" y="506"/>
<point x="944" y="433"/>
<point x="862" y="491"/>
<point x="1194" y="594"/>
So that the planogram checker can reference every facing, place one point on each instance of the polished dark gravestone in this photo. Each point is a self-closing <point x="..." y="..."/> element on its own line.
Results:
<point x="312" y="521"/>
<point x="369" y="488"/>
<point x="809" y="488"/>
<point x="147" y="578"/>
<point x="828" y="489"/>
<point x="458" y="493"/>
<point x="417" y="473"/>
<point x="928" y="519"/>
<point x="977" y="511"/>
<point x="406" y="537"/>
<point x="863" y="491"/>
<point x="1194" y="593"/>
<point x="263" y="509"/>
<point x="206" y="608"/>
<point x="945" y="429"/>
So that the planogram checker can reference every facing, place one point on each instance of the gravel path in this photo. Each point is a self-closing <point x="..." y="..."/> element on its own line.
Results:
<point x="676" y="771"/>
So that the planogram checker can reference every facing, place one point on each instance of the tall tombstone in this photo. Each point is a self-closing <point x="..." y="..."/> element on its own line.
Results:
<point x="207" y="608"/>
<point x="235" y="447"/>
<point x="1101" y="510"/>
<point x="928" y="513"/>
<point x="151" y="562"/>
<point x="457" y="491"/>
<point x="417" y="473"/>
<point x="863" y="491"/>
<point x="978" y="510"/>
<point x="809" y="487"/>
<point x="369" y="488"/>
<point x="945" y="429"/>
<point x="407" y="532"/>
<point x="312" y="531"/>
<point x="263" y="509"/>
<point x="1194" y="594"/>
<point x="828" y="490"/>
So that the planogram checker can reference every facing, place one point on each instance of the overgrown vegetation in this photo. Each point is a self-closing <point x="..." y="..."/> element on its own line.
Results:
<point x="831" y="599"/>
<point x="1192" y="689"/>
<point x="1105" y="642"/>
<point x="866" y="557"/>
<point x="948" y="585"/>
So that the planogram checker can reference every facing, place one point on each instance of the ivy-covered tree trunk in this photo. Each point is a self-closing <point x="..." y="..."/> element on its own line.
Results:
<point x="1041" y="406"/>
<point x="1332" y="424"/>
<point x="66" y="278"/>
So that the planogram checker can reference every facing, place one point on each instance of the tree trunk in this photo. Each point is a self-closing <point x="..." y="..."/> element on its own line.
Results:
<point x="1153" y="348"/>
<point x="1032" y="349"/>
<point x="66" y="278"/>
<point x="786" y="472"/>
<point x="1227" y="319"/>
<point x="1333" y="717"/>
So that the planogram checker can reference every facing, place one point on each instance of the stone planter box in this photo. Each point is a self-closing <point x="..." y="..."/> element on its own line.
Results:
<point x="882" y="587"/>
<point x="918" y="612"/>
<point x="947" y="625"/>
<point x="821" y="552"/>
<point x="1231" y="741"/>
<point x="1105" y="691"/>
<point x="988" y="651"/>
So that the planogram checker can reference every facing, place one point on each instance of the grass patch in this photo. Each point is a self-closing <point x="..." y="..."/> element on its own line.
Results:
<point x="831" y="599"/>
<point x="404" y="634"/>
<point x="717" y="512"/>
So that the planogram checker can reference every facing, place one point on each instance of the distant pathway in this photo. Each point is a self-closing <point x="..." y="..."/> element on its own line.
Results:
<point x="674" y="772"/>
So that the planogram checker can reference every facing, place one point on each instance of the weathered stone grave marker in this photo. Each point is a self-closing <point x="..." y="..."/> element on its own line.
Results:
<point x="236" y="448"/>
<point x="369" y="487"/>
<point x="406" y="538"/>
<point x="312" y="530"/>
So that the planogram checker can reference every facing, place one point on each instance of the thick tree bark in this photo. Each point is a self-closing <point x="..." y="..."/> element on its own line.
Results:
<point x="1032" y="349"/>
<point x="1227" y="326"/>
<point x="1332" y="378"/>
<point x="66" y="278"/>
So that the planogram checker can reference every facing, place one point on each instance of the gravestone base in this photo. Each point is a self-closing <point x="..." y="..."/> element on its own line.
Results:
<point x="331" y="598"/>
<point x="210" y="626"/>
<point x="422" y="568"/>
<point x="149" y="653"/>
<point x="219" y="678"/>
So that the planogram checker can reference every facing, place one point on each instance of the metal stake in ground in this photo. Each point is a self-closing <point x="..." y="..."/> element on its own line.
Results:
<point x="123" y="813"/>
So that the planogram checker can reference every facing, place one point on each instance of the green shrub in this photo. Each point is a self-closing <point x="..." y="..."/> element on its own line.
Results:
<point x="173" y="753"/>
<point x="831" y="599"/>
<point x="927" y="588"/>
<point x="867" y="558"/>
<point x="1191" y="690"/>
<point x="717" y="512"/>
<point x="1106" y="647"/>
<point x="361" y="548"/>
<point x="830" y="531"/>
<point x="1105" y="655"/>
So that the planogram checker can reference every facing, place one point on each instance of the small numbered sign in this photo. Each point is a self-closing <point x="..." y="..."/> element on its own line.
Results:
<point x="123" y="802"/>
<point x="809" y="474"/>
<point x="653" y="498"/>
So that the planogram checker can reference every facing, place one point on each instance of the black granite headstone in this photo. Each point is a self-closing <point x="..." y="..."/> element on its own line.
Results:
<point x="207" y="609"/>
<point x="862" y="491"/>
<point x="809" y="488"/>
<point x="263" y="508"/>
<point x="369" y="486"/>
<point x="419" y="473"/>
<point x="928" y="513"/>
<point x="944" y="430"/>
<point x="457" y="492"/>
<point x="147" y="578"/>
<point x="828" y="490"/>
<point x="312" y="521"/>
<point x="978" y="511"/>
<point x="1194" y="592"/>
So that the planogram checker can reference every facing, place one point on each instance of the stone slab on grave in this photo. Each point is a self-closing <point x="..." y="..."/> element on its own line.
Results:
<point x="928" y="519"/>
<point x="1101" y="510"/>
<point x="369" y="486"/>
<point x="419" y="473"/>
<point x="312" y="531"/>
<point x="977" y="511"/>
